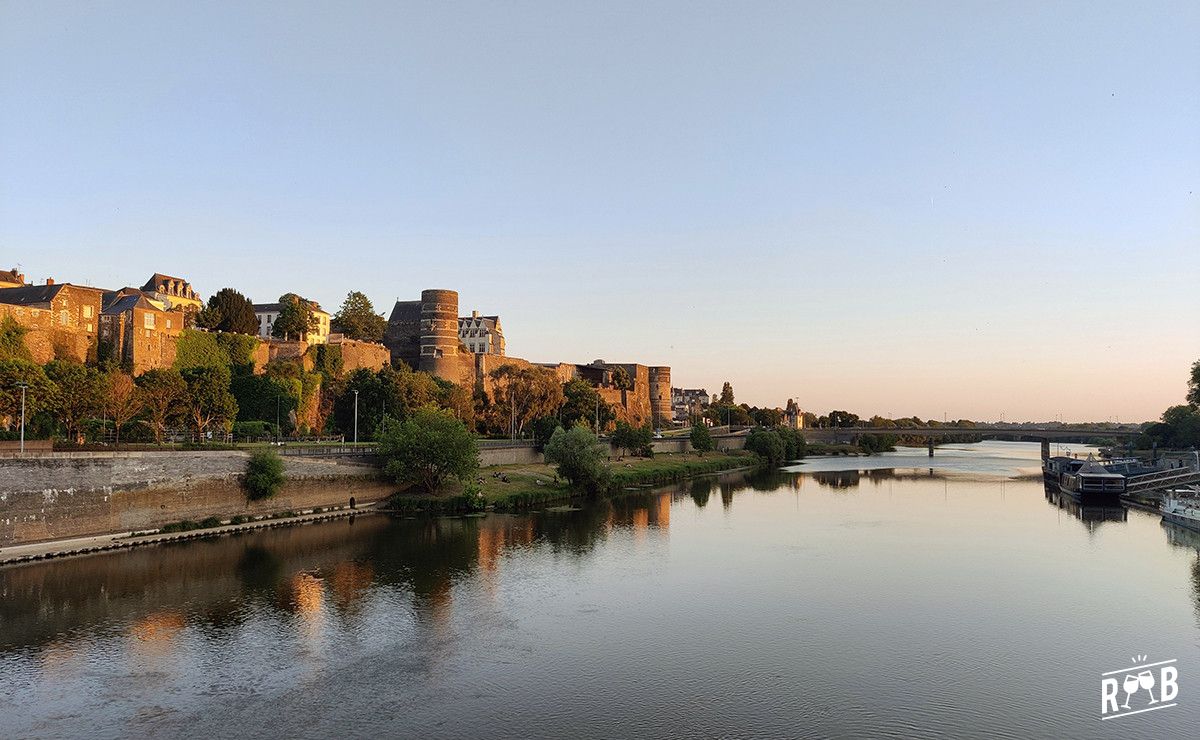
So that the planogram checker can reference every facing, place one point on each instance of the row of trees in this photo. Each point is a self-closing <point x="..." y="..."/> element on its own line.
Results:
<point x="228" y="310"/>
<point x="1180" y="425"/>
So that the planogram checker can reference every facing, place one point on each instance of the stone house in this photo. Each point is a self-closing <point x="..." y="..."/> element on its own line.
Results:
<point x="173" y="292"/>
<point x="482" y="335"/>
<point x="11" y="279"/>
<point x="267" y="313"/>
<point x="139" y="332"/>
<point x="73" y="320"/>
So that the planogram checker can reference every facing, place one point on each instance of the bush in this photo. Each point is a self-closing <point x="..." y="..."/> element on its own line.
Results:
<point x="579" y="458"/>
<point x="702" y="440"/>
<point x="210" y="522"/>
<point x="634" y="440"/>
<point x="767" y="444"/>
<point x="264" y="475"/>
<point x="426" y="448"/>
<point x="875" y="443"/>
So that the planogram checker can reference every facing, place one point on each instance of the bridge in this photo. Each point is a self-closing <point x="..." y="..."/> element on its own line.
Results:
<point x="1017" y="433"/>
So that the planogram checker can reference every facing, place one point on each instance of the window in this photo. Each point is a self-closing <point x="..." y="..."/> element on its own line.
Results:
<point x="148" y="321"/>
<point x="63" y="317"/>
<point x="87" y="313"/>
<point x="168" y="323"/>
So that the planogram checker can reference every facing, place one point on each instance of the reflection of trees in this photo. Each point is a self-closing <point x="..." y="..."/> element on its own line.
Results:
<point x="701" y="489"/>
<point x="837" y="479"/>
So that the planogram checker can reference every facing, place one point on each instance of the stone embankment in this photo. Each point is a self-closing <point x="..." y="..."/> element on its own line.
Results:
<point x="68" y="495"/>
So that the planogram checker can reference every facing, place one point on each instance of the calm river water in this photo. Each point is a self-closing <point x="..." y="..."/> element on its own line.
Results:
<point x="840" y="598"/>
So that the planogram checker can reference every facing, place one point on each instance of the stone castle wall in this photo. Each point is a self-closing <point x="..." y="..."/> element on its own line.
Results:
<point x="48" y="339"/>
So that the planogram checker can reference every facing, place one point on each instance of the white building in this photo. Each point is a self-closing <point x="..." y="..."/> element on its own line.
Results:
<point x="267" y="313"/>
<point x="482" y="335"/>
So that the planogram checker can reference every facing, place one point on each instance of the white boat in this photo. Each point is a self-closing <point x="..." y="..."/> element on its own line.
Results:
<point x="1182" y="506"/>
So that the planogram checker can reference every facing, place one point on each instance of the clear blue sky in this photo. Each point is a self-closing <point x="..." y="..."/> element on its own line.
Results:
<point x="904" y="208"/>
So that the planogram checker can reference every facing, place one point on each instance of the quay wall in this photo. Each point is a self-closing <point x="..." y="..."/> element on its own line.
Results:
<point x="82" y="494"/>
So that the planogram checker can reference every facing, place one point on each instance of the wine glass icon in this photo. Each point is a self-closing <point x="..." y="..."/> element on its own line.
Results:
<point x="1146" y="680"/>
<point x="1130" y="684"/>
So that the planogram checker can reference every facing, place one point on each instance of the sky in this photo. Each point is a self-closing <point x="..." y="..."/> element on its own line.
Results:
<point x="981" y="210"/>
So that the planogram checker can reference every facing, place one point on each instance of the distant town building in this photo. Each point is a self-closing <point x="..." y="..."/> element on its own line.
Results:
<point x="688" y="402"/>
<point x="267" y="313"/>
<point x="11" y="279"/>
<point x="482" y="335"/>
<point x="173" y="292"/>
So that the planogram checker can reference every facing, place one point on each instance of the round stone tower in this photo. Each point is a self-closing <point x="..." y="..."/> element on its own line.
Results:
<point x="439" y="333"/>
<point x="660" y="395"/>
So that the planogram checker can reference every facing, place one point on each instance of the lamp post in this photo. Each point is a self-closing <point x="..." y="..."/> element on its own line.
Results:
<point x="355" y="417"/>
<point x="22" y="386"/>
<point x="278" y="431"/>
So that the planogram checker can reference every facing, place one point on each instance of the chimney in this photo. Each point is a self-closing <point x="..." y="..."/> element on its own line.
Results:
<point x="474" y="314"/>
<point x="49" y="281"/>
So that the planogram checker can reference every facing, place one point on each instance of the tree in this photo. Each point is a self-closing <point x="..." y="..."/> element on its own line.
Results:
<point x="621" y="379"/>
<point x="543" y="430"/>
<point x="768" y="445"/>
<point x="426" y="448"/>
<point x="357" y="319"/>
<point x="295" y="317"/>
<point x="582" y="404"/>
<point x="578" y="457"/>
<point x="230" y="311"/>
<point x="40" y="392"/>
<point x="12" y="340"/>
<point x="1193" y="394"/>
<point x="634" y="440"/>
<point x="78" y="397"/>
<point x="702" y="440"/>
<point x="209" y="402"/>
<point x="121" y="401"/>
<point x="162" y="393"/>
<point x="522" y="394"/>
<point x="726" y="398"/>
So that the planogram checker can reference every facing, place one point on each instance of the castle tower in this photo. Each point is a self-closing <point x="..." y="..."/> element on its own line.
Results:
<point x="660" y="395"/>
<point x="439" y="333"/>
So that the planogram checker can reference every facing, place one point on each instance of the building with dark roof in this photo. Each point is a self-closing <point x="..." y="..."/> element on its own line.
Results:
<point x="11" y="279"/>
<point x="482" y="335"/>
<point x="174" y="292"/>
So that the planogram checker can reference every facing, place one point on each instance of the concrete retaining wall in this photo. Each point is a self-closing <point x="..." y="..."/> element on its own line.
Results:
<point x="81" y="494"/>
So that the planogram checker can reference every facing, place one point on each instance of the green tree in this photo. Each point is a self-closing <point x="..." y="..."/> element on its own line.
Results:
<point x="621" y="379"/>
<point x="634" y="440"/>
<point x="1193" y="394"/>
<point x="426" y="448"/>
<point x="579" y="457"/>
<point x="767" y="444"/>
<point x="726" y="398"/>
<point x="264" y="475"/>
<point x="163" y="394"/>
<point x="357" y="319"/>
<point x="12" y="340"/>
<point x="119" y="399"/>
<point x="582" y="404"/>
<point x="295" y="319"/>
<point x="230" y="311"/>
<point x="702" y="440"/>
<point x="522" y="394"/>
<point x="543" y="429"/>
<point x="210" y="405"/>
<point x="78" y="398"/>
<point x="40" y="392"/>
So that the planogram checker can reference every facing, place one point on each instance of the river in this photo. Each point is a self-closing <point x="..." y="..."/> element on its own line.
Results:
<point x="891" y="596"/>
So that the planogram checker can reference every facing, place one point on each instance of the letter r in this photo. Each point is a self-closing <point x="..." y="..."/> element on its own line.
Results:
<point x="1108" y="695"/>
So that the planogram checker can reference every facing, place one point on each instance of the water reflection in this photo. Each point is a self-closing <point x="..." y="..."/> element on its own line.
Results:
<point x="798" y="597"/>
<point x="1091" y="516"/>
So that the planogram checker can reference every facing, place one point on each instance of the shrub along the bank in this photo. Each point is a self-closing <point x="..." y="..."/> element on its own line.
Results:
<point x="264" y="475"/>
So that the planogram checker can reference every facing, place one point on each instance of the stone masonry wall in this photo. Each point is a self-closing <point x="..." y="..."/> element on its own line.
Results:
<point x="96" y="493"/>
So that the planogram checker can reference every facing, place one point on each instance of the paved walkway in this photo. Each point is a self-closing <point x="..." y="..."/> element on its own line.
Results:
<point x="122" y="540"/>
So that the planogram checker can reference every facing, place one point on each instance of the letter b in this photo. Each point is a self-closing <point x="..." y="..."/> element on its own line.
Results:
<point x="1170" y="683"/>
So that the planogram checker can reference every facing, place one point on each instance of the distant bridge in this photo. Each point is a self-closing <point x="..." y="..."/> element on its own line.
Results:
<point x="1035" y="434"/>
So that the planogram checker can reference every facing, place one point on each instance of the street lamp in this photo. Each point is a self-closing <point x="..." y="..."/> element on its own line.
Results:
<point x="22" y="386"/>
<point x="277" y="430"/>
<point x="355" y="417"/>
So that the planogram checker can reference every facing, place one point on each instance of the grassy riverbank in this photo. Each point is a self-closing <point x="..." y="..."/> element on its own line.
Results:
<point x="523" y="487"/>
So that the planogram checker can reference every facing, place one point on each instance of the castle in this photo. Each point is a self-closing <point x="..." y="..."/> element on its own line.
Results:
<point x="428" y="335"/>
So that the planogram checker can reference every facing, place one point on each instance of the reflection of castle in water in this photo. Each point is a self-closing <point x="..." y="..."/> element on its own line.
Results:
<point x="1091" y="516"/>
